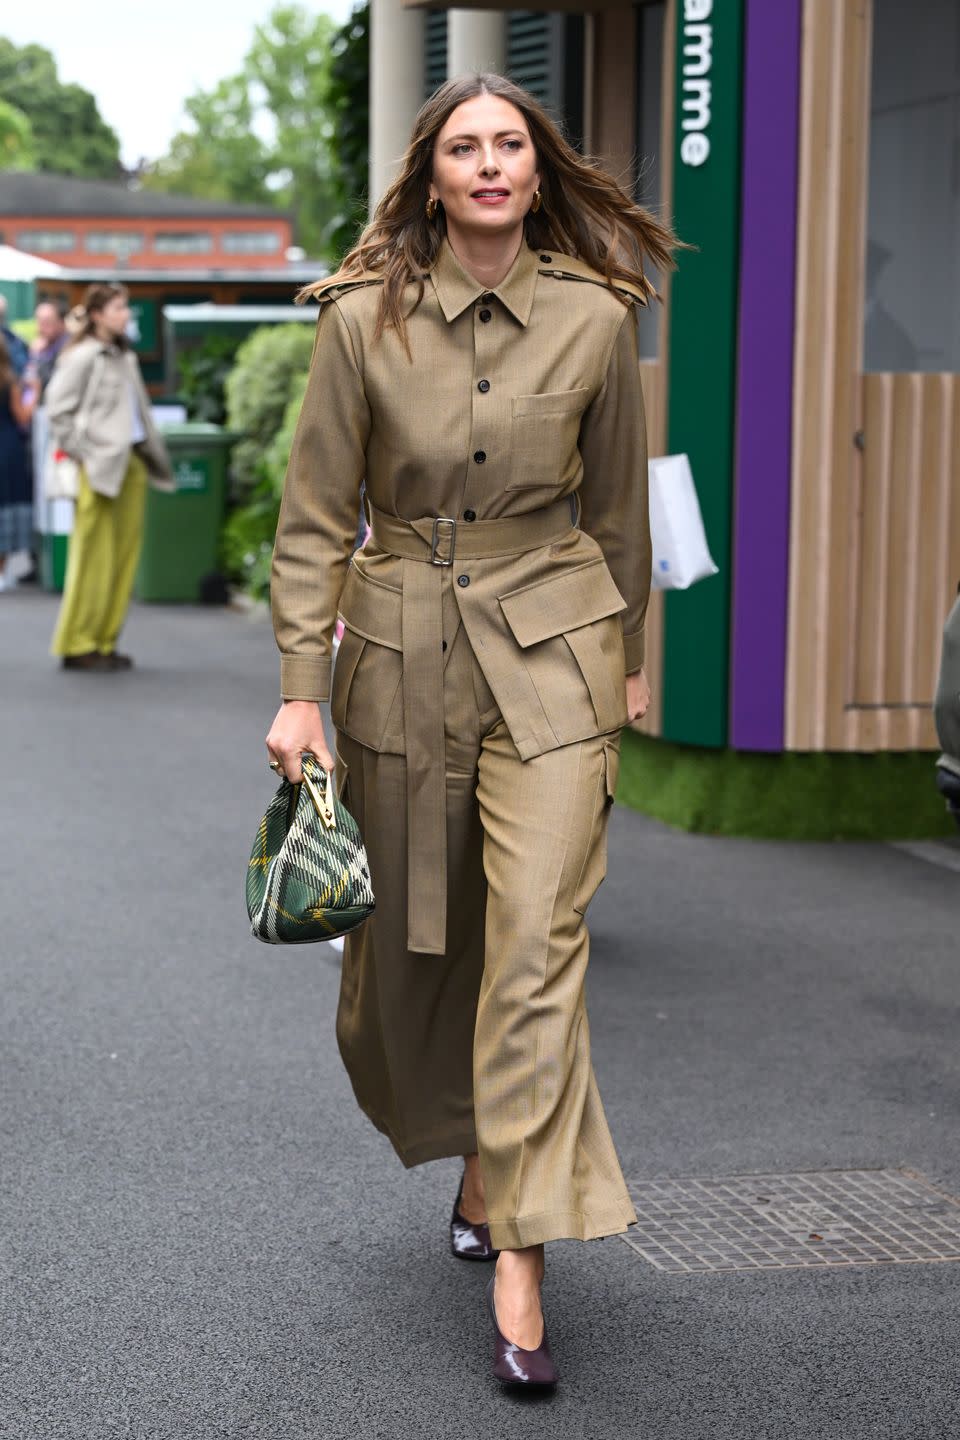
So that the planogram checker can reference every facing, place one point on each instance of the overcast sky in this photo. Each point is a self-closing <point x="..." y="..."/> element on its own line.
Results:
<point x="142" y="62"/>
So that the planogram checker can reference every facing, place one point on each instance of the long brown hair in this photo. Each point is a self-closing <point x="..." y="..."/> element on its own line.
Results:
<point x="585" y="213"/>
<point x="7" y="372"/>
<point x="95" y="301"/>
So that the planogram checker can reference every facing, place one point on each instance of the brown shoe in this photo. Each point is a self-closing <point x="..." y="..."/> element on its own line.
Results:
<point x="115" y="661"/>
<point x="91" y="660"/>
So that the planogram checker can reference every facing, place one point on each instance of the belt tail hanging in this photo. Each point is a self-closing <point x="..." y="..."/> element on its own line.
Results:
<point x="426" y="777"/>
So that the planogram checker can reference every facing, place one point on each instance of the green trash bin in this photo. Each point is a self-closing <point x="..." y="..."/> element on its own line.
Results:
<point x="182" y="530"/>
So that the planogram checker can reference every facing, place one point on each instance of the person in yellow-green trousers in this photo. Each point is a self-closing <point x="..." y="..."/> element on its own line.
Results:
<point x="99" y="414"/>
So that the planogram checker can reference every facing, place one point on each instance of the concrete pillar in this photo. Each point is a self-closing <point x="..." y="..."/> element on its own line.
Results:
<point x="476" y="40"/>
<point x="396" y="87"/>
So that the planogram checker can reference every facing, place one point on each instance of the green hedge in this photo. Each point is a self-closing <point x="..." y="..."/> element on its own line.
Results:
<point x="792" y="796"/>
<point x="264" y="392"/>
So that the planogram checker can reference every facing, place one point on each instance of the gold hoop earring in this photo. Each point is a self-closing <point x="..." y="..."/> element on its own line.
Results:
<point x="537" y="201"/>
<point x="431" y="209"/>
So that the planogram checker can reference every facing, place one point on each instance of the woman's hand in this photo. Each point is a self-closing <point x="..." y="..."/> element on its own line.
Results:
<point x="638" y="695"/>
<point x="297" y="728"/>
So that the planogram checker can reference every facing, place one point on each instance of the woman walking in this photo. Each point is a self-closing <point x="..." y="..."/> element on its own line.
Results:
<point x="476" y="364"/>
<point x="16" y="485"/>
<point x="100" y="415"/>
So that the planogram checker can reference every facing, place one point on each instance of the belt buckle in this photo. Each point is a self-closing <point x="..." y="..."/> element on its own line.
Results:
<point x="436" y="559"/>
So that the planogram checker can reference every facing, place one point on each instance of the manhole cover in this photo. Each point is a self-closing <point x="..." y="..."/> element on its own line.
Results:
<point x="750" y="1222"/>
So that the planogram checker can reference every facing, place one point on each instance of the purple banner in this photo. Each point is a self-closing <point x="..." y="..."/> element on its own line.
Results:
<point x="765" y="373"/>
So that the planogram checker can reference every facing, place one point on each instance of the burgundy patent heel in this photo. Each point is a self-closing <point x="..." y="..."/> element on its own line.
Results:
<point x="512" y="1365"/>
<point x="469" y="1241"/>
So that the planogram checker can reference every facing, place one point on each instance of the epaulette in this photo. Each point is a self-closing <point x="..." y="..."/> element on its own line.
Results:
<point x="336" y="289"/>
<point x="565" y="267"/>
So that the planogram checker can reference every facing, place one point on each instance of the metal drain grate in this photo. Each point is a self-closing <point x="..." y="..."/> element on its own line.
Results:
<point x="751" y="1222"/>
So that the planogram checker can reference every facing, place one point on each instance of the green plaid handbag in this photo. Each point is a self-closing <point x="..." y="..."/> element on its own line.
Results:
<point x="308" y="877"/>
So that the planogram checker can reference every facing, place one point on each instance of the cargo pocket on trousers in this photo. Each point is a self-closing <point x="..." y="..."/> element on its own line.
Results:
<point x="595" y="865"/>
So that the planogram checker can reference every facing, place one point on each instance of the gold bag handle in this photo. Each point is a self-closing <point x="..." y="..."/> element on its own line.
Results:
<point x="322" y="799"/>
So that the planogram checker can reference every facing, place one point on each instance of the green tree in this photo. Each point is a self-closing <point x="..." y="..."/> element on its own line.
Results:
<point x="264" y="392"/>
<point x="17" y="150"/>
<point x="70" y="137"/>
<point x="220" y="157"/>
<point x="289" y="67"/>
<point x="265" y="134"/>
<point x="349" y="102"/>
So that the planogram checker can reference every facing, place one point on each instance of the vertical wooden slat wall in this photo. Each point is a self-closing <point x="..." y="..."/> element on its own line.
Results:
<point x="834" y="141"/>
<point x="907" y="556"/>
<point x="875" y="522"/>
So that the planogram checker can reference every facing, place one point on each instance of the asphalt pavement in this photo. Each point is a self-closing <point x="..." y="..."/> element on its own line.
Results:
<point x="200" y="1234"/>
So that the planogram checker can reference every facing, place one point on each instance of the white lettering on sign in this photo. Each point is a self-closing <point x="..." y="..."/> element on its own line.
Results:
<point x="697" y="88"/>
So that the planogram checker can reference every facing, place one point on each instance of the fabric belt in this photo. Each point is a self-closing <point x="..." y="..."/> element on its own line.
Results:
<point x="427" y="548"/>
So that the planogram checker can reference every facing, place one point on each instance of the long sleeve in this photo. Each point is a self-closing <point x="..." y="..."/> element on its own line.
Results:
<point x="65" y="394"/>
<point x="318" y="516"/>
<point x="613" y="495"/>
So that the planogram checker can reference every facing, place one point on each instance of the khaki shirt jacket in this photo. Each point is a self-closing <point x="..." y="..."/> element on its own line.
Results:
<point x="90" y="408"/>
<point x="520" y="408"/>
<point x="515" y="399"/>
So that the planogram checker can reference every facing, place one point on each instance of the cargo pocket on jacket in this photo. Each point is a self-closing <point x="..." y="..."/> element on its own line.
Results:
<point x="594" y="868"/>
<point x="366" y="700"/>
<point x="569" y="631"/>
<point x="543" y="438"/>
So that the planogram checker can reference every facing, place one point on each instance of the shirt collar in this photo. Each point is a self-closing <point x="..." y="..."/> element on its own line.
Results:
<point x="456" y="289"/>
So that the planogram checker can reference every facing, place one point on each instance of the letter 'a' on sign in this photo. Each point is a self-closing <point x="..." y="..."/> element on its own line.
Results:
<point x="697" y="9"/>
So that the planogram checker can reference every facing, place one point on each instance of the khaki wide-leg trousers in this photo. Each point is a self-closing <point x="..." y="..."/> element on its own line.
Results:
<point x="487" y="1047"/>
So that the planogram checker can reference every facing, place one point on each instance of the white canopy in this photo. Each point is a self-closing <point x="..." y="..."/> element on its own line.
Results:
<point x="18" y="265"/>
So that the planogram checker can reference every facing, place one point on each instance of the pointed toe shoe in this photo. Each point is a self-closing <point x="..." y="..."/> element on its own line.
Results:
<point x="467" y="1240"/>
<point x="514" y="1366"/>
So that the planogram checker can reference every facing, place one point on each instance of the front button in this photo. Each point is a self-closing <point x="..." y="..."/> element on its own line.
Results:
<point x="485" y="298"/>
<point x="463" y="581"/>
<point x="443" y="644"/>
<point x="479" y="456"/>
<point x="469" y="515"/>
<point x="546" y="259"/>
<point x="485" y="315"/>
<point x="483" y="386"/>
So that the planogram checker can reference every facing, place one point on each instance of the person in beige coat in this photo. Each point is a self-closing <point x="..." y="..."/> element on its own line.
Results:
<point x="476" y="365"/>
<point x="99" y="414"/>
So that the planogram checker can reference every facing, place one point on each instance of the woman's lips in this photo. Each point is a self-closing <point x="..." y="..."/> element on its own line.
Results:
<point x="490" y="197"/>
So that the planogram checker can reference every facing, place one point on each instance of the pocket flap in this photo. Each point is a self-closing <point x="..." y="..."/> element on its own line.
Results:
<point x="561" y="602"/>
<point x="554" y="402"/>
<point x="372" y="610"/>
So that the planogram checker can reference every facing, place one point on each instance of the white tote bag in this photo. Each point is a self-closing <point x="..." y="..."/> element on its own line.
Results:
<point x="680" y="552"/>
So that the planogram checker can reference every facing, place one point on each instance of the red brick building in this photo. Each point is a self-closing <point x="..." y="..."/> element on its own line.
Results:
<point x="82" y="224"/>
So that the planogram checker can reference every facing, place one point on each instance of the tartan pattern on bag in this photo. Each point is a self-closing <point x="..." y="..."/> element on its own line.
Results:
<point x="306" y="881"/>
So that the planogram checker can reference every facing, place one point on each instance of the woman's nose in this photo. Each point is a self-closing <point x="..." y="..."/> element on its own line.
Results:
<point x="489" y="165"/>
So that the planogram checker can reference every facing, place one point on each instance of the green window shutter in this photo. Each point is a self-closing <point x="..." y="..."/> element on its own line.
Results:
<point x="435" y="56"/>
<point x="545" y="56"/>
<point x="530" y="53"/>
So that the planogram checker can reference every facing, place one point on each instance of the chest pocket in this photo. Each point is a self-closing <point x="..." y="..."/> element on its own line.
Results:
<point x="544" y="436"/>
<point x="366" y="699"/>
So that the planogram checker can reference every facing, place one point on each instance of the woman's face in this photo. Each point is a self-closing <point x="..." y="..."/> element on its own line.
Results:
<point x="113" y="319"/>
<point x="484" y="168"/>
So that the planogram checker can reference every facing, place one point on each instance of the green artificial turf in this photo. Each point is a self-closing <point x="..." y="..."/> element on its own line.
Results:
<point x="793" y="796"/>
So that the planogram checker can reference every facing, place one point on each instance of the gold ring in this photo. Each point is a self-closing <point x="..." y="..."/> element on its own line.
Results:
<point x="276" y="766"/>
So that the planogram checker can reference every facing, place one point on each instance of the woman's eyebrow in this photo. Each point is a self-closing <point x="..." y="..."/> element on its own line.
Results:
<point x="500" y="135"/>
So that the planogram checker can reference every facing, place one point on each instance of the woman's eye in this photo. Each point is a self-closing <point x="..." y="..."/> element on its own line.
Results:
<point x="461" y="149"/>
<point x="513" y="144"/>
